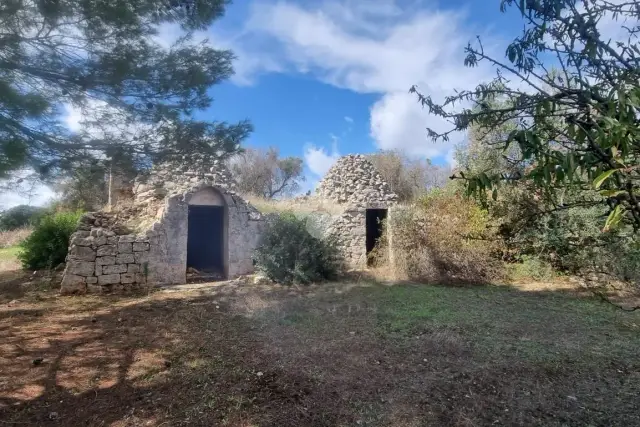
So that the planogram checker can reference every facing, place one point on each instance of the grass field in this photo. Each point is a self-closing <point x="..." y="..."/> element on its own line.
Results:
<point x="334" y="355"/>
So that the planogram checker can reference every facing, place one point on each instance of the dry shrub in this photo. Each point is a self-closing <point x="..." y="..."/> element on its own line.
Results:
<point x="14" y="237"/>
<point x="298" y="205"/>
<point x="441" y="237"/>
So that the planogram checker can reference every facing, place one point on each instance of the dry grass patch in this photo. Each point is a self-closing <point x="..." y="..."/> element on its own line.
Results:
<point x="334" y="355"/>
<point x="14" y="237"/>
<point x="299" y="205"/>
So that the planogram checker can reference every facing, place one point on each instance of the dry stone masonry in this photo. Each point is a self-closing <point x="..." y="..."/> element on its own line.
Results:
<point x="354" y="184"/>
<point x="99" y="260"/>
<point x="354" y="181"/>
<point x="146" y="244"/>
<point x="178" y="176"/>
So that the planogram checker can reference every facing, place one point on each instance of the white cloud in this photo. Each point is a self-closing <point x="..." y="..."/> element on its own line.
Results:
<point x="348" y="119"/>
<point x="319" y="160"/>
<point x="40" y="195"/>
<point x="381" y="50"/>
<point x="28" y="191"/>
<point x="398" y="122"/>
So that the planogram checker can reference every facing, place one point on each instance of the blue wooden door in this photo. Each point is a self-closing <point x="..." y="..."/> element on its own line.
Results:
<point x="205" y="241"/>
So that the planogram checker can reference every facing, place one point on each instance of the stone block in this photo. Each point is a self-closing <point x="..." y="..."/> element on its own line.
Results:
<point x="82" y="253"/>
<point x="129" y="238"/>
<point x="112" y="240"/>
<point x="133" y="268"/>
<point x="125" y="248"/>
<point x="141" y="278"/>
<point x="113" y="269"/>
<point x="99" y="241"/>
<point x="97" y="232"/>
<point x="107" y="250"/>
<point x="106" y="260"/>
<point x="72" y="283"/>
<point x="140" y="247"/>
<point x="81" y="233"/>
<point x="125" y="259"/>
<point x="80" y="268"/>
<point x="109" y="279"/>
<point x="91" y="280"/>
<point x="95" y="289"/>
<point x="81" y="241"/>
<point x="141" y="257"/>
<point x="126" y="278"/>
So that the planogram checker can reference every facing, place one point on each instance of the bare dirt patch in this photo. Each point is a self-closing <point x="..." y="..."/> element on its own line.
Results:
<point x="333" y="355"/>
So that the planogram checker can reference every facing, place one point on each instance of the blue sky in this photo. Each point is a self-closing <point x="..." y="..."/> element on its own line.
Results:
<point x="320" y="79"/>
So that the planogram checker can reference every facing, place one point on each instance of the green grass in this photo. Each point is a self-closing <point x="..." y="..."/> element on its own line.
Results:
<point x="494" y="321"/>
<point x="9" y="253"/>
<point x="503" y="322"/>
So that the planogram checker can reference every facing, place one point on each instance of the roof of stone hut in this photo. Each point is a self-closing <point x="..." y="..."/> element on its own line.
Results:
<point x="354" y="179"/>
<point x="178" y="175"/>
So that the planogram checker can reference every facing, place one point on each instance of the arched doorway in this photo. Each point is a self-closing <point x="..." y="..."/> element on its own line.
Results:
<point x="207" y="234"/>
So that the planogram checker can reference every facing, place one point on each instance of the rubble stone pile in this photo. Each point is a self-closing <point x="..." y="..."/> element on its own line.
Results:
<point x="354" y="180"/>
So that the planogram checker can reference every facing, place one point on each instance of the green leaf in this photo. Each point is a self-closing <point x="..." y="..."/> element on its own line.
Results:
<point x="603" y="177"/>
<point x="610" y="193"/>
<point x="613" y="219"/>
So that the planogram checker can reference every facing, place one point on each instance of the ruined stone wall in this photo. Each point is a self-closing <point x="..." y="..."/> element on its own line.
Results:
<point x="99" y="260"/>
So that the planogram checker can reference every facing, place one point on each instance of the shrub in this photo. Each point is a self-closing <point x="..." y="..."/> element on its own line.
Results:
<point x="531" y="267"/>
<point x="47" y="246"/>
<point x="441" y="237"/>
<point x="288" y="253"/>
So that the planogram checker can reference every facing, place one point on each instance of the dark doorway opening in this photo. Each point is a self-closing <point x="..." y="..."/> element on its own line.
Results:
<point x="205" y="241"/>
<point x="375" y="218"/>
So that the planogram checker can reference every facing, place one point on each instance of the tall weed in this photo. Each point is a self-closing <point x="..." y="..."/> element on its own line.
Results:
<point x="441" y="237"/>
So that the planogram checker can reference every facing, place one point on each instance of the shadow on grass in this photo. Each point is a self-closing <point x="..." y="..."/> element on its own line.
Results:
<point x="316" y="356"/>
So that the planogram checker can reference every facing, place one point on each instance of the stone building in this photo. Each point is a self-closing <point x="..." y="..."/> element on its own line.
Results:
<point x="362" y="199"/>
<point x="185" y="215"/>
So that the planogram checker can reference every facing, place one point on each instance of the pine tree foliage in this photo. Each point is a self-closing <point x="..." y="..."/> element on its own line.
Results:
<point x="106" y="60"/>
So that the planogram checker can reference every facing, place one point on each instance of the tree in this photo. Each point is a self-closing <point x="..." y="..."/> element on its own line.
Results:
<point x="263" y="173"/>
<point x="103" y="58"/>
<point x="574" y="105"/>
<point x="407" y="177"/>
<point x="20" y="216"/>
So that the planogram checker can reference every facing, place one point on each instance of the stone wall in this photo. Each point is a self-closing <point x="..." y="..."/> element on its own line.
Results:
<point x="99" y="260"/>
<point x="168" y="236"/>
<point x="354" y="184"/>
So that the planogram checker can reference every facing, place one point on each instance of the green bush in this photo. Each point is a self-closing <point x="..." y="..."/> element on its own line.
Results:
<point x="47" y="246"/>
<point x="288" y="253"/>
<point x="531" y="267"/>
<point x="20" y="216"/>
